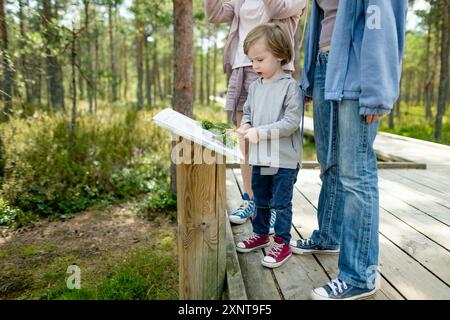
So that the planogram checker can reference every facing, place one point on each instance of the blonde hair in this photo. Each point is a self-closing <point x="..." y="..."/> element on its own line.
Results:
<point x="276" y="40"/>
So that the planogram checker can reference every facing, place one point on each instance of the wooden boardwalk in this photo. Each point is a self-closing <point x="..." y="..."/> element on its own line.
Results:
<point x="414" y="232"/>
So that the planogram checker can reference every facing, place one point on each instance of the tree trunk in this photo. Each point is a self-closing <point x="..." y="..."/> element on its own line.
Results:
<point x="419" y="89"/>
<point x="89" y="62"/>
<point x="208" y="68"/>
<point x="429" y="77"/>
<point x="170" y="76"/>
<point x="96" y="70"/>
<point x="125" y="68"/>
<point x="399" y="101"/>
<point x="6" y="61"/>
<point x="443" y="81"/>
<point x="139" y="55"/>
<point x="195" y="66"/>
<point x="80" y="76"/>
<point x="74" y="85"/>
<point x="158" y="81"/>
<point x="183" y="64"/>
<point x="112" y="54"/>
<point x="437" y="44"/>
<point x="23" y="58"/>
<point x="410" y="79"/>
<point x="37" y="87"/>
<point x="148" y="76"/>
<point x="201" y="86"/>
<point x="215" y="65"/>
<point x="54" y="71"/>
<point x="155" y="69"/>
<point x="391" y="118"/>
<point x="164" y="77"/>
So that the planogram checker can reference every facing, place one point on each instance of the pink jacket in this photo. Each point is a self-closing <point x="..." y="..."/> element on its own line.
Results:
<point x="286" y="11"/>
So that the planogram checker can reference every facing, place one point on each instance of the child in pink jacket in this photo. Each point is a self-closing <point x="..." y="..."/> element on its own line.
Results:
<point x="244" y="15"/>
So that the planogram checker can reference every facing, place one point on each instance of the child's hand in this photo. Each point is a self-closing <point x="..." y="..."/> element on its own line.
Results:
<point x="252" y="135"/>
<point x="242" y="131"/>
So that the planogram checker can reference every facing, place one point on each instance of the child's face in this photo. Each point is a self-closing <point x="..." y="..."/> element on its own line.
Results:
<point x="266" y="65"/>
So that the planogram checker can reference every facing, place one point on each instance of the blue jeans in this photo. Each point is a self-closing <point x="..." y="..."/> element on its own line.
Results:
<point x="348" y="212"/>
<point x="273" y="189"/>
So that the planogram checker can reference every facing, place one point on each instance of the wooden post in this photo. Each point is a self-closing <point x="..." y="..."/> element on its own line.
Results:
<point x="201" y="206"/>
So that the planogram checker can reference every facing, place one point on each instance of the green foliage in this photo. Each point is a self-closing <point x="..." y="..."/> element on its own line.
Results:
<point x="222" y="132"/>
<point x="424" y="131"/>
<point x="8" y="214"/>
<point x="221" y="127"/>
<point x="112" y="155"/>
<point x="412" y="124"/>
<point x="309" y="149"/>
<point x="160" y="200"/>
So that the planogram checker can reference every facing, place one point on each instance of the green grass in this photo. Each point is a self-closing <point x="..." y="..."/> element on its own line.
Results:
<point x="49" y="247"/>
<point x="29" y="251"/>
<point x="148" y="273"/>
<point x="412" y="124"/>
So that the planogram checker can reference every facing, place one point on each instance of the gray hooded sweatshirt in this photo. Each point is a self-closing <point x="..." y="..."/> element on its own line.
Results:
<point x="275" y="109"/>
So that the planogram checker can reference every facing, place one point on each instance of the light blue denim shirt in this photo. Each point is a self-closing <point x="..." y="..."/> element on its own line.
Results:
<point x="366" y="54"/>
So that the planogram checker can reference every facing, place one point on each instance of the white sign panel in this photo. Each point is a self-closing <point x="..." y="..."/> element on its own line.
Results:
<point x="188" y="128"/>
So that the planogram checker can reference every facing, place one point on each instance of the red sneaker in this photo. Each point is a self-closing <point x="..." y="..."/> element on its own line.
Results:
<point x="252" y="243"/>
<point x="278" y="255"/>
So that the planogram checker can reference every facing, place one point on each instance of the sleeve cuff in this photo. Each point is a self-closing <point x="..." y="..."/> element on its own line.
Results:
<point x="244" y="121"/>
<point x="380" y="110"/>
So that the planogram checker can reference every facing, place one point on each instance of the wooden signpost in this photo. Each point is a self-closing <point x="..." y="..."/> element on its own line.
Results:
<point x="201" y="205"/>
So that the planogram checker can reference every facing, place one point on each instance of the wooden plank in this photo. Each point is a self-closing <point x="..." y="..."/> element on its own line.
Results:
<point x="433" y="257"/>
<point x="437" y="184"/>
<point x="412" y="149"/>
<point x="300" y="274"/>
<point x="402" y="148"/>
<point x="441" y="177"/>
<point x="421" y="222"/>
<point x="408" y="282"/>
<point x="308" y="218"/>
<point x="415" y="199"/>
<point x="401" y="165"/>
<point x="221" y="216"/>
<point x="305" y="164"/>
<point x="235" y="282"/>
<point x="197" y="231"/>
<point x="308" y="165"/>
<point x="410" y="278"/>
<point x="259" y="281"/>
<point x="429" y="193"/>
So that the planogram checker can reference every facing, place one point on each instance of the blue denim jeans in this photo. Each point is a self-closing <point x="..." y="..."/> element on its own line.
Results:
<point x="348" y="212"/>
<point x="273" y="189"/>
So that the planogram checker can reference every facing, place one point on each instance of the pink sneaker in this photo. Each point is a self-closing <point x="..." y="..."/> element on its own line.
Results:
<point x="278" y="255"/>
<point x="252" y="243"/>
